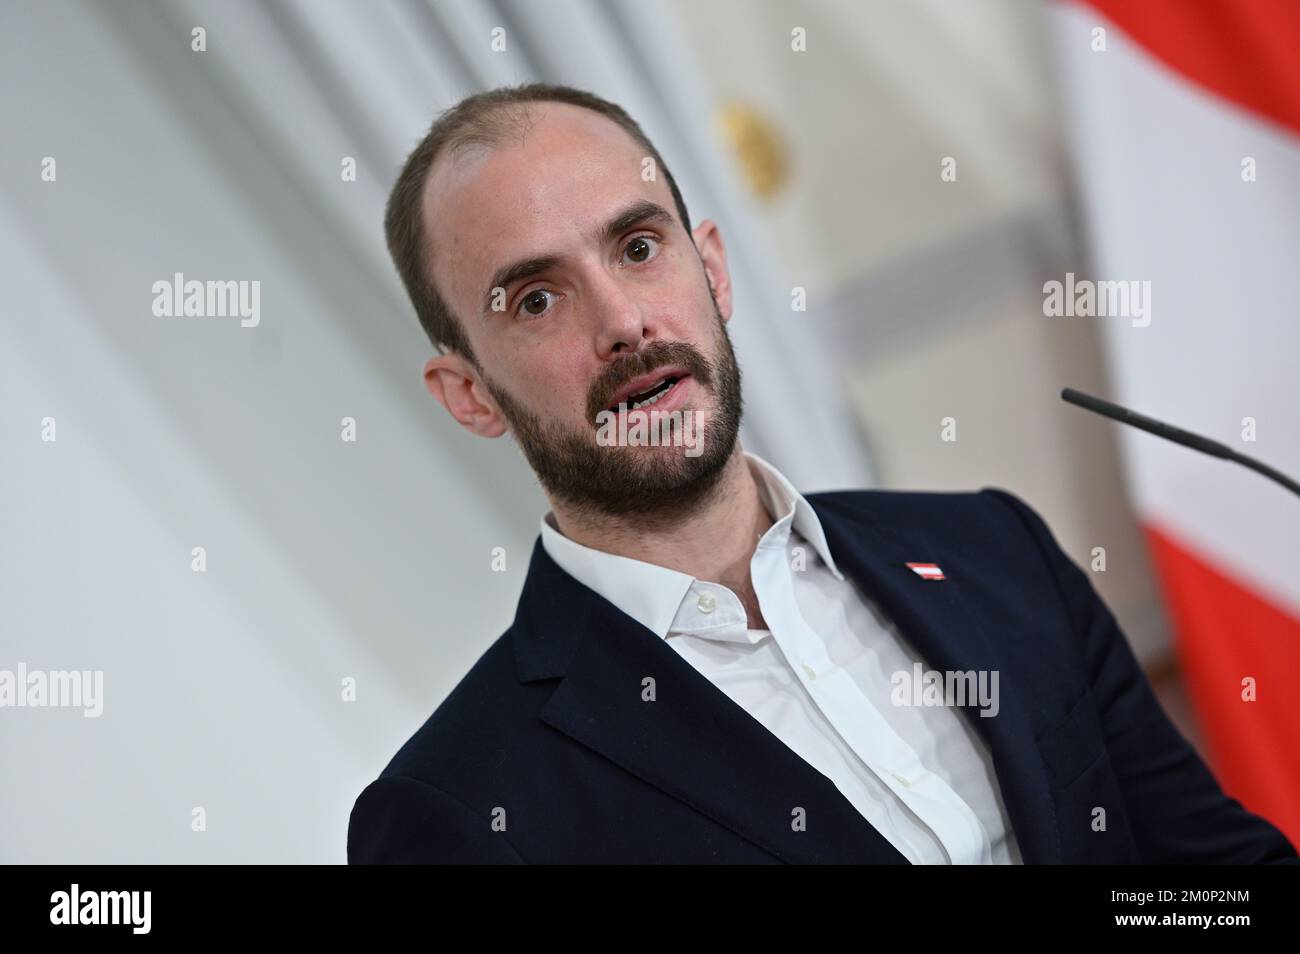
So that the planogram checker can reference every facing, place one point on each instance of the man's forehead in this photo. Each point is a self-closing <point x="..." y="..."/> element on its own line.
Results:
<point x="554" y="153"/>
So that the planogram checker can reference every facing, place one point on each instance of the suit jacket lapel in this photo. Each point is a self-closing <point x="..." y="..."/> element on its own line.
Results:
<point x="692" y="741"/>
<point x="934" y="617"/>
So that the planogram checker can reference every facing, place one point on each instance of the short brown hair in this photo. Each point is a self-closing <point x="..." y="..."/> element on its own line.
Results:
<point x="484" y="118"/>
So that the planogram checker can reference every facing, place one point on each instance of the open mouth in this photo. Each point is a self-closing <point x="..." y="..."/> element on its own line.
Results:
<point x="650" y="396"/>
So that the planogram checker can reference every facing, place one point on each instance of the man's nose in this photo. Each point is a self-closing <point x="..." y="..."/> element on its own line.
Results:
<point x="618" y="318"/>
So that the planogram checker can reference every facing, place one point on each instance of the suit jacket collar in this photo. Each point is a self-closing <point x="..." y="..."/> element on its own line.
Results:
<point x="627" y="695"/>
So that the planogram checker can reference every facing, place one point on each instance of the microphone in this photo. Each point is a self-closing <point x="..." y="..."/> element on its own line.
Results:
<point x="1175" y="434"/>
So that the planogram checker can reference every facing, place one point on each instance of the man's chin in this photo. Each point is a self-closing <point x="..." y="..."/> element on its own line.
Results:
<point x="650" y="479"/>
<point x="665" y="455"/>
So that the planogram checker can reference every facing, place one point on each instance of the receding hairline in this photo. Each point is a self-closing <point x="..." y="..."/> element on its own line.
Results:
<point x="504" y="123"/>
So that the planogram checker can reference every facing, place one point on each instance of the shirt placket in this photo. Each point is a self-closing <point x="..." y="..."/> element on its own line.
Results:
<point x="859" y="722"/>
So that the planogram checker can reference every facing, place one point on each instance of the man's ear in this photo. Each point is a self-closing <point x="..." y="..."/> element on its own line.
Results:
<point x="455" y="384"/>
<point x="713" y="255"/>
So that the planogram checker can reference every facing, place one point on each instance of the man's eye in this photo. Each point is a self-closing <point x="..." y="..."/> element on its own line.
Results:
<point x="534" y="304"/>
<point x="642" y="248"/>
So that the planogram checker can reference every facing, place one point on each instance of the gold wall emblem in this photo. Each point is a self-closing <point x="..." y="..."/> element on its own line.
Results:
<point x="758" y="146"/>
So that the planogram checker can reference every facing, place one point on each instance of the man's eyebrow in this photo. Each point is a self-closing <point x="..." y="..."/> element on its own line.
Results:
<point x="639" y="212"/>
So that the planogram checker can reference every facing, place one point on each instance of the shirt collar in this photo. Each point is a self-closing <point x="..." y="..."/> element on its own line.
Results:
<point x="784" y="502"/>
<point x="651" y="594"/>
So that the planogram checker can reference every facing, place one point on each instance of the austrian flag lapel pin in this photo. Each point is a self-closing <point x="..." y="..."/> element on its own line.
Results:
<point x="926" y="571"/>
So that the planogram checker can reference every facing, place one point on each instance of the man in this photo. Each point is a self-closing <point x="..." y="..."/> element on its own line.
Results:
<point x="705" y="665"/>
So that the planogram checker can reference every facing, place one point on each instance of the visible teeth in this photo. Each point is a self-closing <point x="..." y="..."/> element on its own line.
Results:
<point x="663" y="387"/>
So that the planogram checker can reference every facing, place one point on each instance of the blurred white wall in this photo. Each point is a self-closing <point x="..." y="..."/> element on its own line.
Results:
<point x="325" y="559"/>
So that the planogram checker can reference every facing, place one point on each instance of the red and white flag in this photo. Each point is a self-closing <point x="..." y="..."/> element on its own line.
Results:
<point x="1184" y="123"/>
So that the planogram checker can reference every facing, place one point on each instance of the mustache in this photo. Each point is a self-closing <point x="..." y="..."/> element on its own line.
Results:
<point x="660" y="355"/>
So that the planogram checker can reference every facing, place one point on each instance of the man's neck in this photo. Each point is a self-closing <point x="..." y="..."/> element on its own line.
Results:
<point x="714" y="543"/>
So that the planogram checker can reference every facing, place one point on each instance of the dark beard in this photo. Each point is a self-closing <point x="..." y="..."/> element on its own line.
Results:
<point x="658" y="485"/>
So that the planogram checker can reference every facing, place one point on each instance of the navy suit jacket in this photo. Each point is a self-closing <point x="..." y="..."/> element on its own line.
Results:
<point x="547" y="750"/>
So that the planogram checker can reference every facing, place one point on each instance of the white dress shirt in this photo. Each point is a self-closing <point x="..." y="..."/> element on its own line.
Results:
<point x="819" y="679"/>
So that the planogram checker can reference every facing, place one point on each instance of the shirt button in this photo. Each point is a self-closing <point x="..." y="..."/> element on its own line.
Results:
<point x="902" y="781"/>
<point x="706" y="603"/>
<point x="812" y="673"/>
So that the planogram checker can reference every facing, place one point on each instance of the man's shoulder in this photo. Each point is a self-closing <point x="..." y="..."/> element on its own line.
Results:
<point x="465" y="757"/>
<point x="979" y="510"/>
<point x="478" y="720"/>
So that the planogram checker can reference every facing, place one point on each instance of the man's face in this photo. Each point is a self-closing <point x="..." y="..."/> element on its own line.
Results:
<point x="579" y="290"/>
